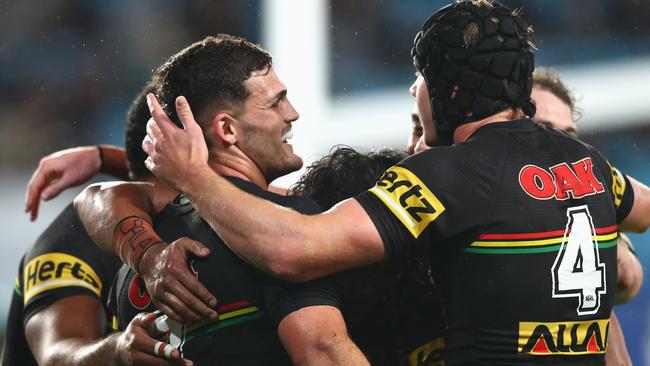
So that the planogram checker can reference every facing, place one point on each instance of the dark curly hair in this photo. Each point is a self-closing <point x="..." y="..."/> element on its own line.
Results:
<point x="210" y="74"/>
<point x="344" y="173"/>
<point x="136" y="130"/>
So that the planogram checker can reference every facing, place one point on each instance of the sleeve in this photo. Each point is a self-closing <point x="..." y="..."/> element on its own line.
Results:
<point x="618" y="184"/>
<point x="283" y="298"/>
<point x="622" y="193"/>
<point x="65" y="262"/>
<point x="431" y="197"/>
<point x="52" y="276"/>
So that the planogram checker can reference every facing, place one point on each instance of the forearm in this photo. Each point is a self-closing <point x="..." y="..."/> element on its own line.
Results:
<point x="82" y="352"/>
<point x="114" y="161"/>
<point x="317" y="335"/>
<point x="101" y="207"/>
<point x="638" y="220"/>
<point x="630" y="272"/>
<point x="283" y="242"/>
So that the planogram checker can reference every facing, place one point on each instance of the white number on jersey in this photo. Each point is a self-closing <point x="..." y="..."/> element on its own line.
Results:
<point x="577" y="271"/>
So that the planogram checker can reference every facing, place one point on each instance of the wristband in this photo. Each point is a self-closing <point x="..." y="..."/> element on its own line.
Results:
<point x="101" y="157"/>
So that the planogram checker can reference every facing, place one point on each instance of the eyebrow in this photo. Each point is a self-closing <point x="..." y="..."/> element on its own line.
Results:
<point x="415" y="118"/>
<point x="281" y="94"/>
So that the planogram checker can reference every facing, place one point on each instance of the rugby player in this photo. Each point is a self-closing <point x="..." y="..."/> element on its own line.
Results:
<point x="556" y="108"/>
<point x="247" y="120"/>
<point x="520" y="220"/>
<point x="57" y="314"/>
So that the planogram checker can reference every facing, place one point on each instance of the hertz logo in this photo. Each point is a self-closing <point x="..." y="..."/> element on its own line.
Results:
<point x="408" y="198"/>
<point x="567" y="338"/>
<point x="55" y="270"/>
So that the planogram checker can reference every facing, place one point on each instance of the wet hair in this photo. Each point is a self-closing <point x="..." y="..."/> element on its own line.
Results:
<point x="136" y="130"/>
<point x="549" y="80"/>
<point x="210" y="74"/>
<point x="344" y="173"/>
<point x="476" y="58"/>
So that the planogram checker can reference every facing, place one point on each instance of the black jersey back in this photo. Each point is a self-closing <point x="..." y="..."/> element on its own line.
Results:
<point x="63" y="262"/>
<point x="251" y="303"/>
<point x="521" y="221"/>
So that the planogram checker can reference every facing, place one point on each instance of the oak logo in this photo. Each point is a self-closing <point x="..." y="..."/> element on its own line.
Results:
<point x="55" y="270"/>
<point x="566" y="338"/>
<point x="408" y="199"/>
<point x="138" y="295"/>
<point x="560" y="181"/>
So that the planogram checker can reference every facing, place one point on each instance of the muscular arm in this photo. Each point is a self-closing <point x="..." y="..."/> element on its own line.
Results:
<point x="70" y="331"/>
<point x="283" y="242"/>
<point x="630" y="272"/>
<point x="639" y="218"/>
<point x="102" y="206"/>
<point x="317" y="335"/>
<point x="117" y="216"/>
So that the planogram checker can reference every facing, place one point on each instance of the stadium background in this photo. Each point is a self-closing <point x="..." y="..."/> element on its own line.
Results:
<point x="70" y="68"/>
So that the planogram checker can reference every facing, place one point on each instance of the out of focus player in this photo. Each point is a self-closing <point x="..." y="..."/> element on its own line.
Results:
<point x="57" y="314"/>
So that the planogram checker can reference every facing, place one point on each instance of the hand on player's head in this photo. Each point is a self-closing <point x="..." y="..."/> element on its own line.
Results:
<point x="174" y="153"/>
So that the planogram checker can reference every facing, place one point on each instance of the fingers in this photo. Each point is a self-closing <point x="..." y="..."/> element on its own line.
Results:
<point x="39" y="180"/>
<point x="185" y="114"/>
<point x="147" y="145"/>
<point x="161" y="119"/>
<point x="178" y="310"/>
<point x="195" y="247"/>
<point x="56" y="188"/>
<point x="196" y="297"/>
<point x="153" y="132"/>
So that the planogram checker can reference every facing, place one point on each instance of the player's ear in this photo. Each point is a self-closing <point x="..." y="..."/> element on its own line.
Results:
<point x="223" y="127"/>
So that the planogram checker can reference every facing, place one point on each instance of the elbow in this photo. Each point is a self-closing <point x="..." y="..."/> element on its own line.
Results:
<point x="287" y="263"/>
<point x="629" y="284"/>
<point x="321" y="350"/>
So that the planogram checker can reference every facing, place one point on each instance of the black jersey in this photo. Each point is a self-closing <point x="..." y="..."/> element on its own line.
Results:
<point x="251" y="303"/>
<point x="63" y="262"/>
<point x="521" y="224"/>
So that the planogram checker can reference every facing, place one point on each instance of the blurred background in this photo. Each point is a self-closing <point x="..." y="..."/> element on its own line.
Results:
<point x="70" y="68"/>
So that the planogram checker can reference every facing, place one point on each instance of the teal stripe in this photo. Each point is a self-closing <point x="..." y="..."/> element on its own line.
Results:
<point x="223" y="324"/>
<point x="545" y="249"/>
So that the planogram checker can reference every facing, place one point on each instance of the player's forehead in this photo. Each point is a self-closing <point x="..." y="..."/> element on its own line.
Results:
<point x="264" y="84"/>
<point x="552" y="110"/>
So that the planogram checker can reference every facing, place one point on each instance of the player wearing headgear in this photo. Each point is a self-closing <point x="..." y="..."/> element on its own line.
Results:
<point x="58" y="314"/>
<point x="247" y="118"/>
<point x="519" y="220"/>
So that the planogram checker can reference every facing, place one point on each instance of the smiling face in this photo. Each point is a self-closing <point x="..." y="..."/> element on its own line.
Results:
<point x="265" y="118"/>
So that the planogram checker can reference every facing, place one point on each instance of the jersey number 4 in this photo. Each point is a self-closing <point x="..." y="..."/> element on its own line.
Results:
<point x="577" y="270"/>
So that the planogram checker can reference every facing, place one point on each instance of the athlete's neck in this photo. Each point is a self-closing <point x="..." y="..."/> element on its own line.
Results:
<point x="233" y="165"/>
<point x="463" y="132"/>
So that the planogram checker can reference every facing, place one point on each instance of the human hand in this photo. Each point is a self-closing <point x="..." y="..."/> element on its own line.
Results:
<point x="172" y="284"/>
<point x="175" y="154"/>
<point x="58" y="172"/>
<point x="139" y="345"/>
